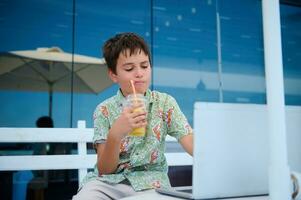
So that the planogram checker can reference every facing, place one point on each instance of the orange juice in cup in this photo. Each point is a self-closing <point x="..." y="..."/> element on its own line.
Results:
<point x="138" y="132"/>
<point x="131" y="100"/>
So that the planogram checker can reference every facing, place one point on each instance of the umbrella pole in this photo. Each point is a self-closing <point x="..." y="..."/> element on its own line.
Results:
<point x="50" y="99"/>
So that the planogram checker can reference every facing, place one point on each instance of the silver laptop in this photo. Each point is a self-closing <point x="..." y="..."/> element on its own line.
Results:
<point x="230" y="152"/>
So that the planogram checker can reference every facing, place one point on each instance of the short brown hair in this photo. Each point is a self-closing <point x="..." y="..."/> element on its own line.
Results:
<point x="119" y="44"/>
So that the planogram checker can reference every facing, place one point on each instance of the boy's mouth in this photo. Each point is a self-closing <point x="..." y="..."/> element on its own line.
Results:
<point x="138" y="83"/>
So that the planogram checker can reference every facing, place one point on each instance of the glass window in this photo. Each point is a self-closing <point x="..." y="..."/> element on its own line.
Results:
<point x="242" y="58"/>
<point x="33" y="35"/>
<point x="25" y="81"/>
<point x="184" y="48"/>
<point x="291" y="51"/>
<point x="95" y="23"/>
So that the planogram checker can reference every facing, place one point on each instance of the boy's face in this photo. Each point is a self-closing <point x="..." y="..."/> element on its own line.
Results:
<point x="135" y="67"/>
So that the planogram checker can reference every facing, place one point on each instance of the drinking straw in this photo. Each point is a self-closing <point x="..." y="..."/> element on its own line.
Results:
<point x="134" y="91"/>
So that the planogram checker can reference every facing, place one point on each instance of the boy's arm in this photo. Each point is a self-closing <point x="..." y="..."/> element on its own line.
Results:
<point x="187" y="143"/>
<point x="108" y="152"/>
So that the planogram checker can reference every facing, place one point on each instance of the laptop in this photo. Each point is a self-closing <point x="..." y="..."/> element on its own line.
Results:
<point x="230" y="152"/>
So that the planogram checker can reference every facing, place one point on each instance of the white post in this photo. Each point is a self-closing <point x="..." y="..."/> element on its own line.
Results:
<point x="279" y="173"/>
<point x="82" y="150"/>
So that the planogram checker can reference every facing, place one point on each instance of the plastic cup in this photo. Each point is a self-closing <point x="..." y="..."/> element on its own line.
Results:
<point x="130" y="101"/>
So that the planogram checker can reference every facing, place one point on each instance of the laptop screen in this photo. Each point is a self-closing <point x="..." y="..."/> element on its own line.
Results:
<point x="230" y="150"/>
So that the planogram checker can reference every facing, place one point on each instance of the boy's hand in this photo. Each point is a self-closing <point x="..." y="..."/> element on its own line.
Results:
<point x="130" y="118"/>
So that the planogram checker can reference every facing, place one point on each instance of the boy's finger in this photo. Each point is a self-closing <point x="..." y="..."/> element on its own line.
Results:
<point x="127" y="110"/>
<point x="139" y="118"/>
<point x="140" y="124"/>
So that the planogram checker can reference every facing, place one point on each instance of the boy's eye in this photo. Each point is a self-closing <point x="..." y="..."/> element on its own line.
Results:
<point x="144" y="66"/>
<point x="128" y="69"/>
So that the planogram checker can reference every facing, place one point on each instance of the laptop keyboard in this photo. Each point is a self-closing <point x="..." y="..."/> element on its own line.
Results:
<point x="186" y="190"/>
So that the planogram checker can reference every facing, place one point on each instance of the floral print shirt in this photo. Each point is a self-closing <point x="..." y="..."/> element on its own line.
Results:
<point x="141" y="162"/>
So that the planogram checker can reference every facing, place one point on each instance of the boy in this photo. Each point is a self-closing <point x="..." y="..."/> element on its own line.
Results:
<point x="127" y="165"/>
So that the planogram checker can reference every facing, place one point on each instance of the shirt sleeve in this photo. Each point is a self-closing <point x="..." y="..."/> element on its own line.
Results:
<point x="101" y="124"/>
<point x="177" y="124"/>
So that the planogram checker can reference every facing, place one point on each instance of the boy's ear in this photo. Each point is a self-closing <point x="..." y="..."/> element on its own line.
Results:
<point x="112" y="76"/>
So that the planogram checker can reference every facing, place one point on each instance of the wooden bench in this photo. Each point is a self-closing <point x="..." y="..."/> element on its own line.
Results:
<point x="81" y="161"/>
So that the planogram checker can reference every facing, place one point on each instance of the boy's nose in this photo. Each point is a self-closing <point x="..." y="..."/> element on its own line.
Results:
<point x="139" y="72"/>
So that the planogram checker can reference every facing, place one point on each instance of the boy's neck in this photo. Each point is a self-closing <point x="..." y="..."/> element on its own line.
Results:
<point x="125" y="96"/>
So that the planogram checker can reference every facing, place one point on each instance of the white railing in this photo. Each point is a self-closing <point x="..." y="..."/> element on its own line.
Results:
<point x="81" y="161"/>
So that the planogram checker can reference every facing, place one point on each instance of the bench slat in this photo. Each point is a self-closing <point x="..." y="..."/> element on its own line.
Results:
<point x="46" y="162"/>
<point x="178" y="159"/>
<point x="60" y="135"/>
<point x="55" y="162"/>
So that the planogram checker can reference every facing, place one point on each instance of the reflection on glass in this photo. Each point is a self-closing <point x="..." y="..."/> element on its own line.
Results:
<point x="291" y="51"/>
<point x="98" y="21"/>
<point x="243" y="76"/>
<point x="185" y="56"/>
<point x="32" y="25"/>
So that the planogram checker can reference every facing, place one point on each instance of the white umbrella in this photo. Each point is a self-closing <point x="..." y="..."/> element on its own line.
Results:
<point x="50" y="69"/>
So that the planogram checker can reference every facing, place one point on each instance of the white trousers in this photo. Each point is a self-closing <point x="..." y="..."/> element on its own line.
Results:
<point x="98" y="190"/>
